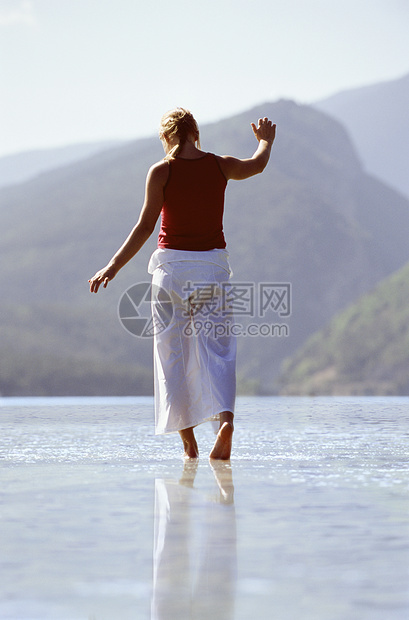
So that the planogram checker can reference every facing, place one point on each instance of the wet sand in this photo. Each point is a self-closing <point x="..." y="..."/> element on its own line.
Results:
<point x="100" y="520"/>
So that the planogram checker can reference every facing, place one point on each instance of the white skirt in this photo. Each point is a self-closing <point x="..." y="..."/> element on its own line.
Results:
<point x="194" y="350"/>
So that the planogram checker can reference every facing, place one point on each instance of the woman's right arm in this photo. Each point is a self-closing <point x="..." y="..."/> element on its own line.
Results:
<point x="155" y="183"/>
<point x="239" y="169"/>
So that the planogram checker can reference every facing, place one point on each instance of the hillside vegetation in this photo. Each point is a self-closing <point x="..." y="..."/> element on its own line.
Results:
<point x="363" y="350"/>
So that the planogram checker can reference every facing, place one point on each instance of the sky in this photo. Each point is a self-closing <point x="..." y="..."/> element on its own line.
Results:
<point x="75" y="71"/>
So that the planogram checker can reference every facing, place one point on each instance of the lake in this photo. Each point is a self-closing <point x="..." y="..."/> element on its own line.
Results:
<point x="101" y="520"/>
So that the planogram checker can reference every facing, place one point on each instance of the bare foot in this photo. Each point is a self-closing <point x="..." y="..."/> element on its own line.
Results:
<point x="191" y="451"/>
<point x="188" y="456"/>
<point x="222" y="446"/>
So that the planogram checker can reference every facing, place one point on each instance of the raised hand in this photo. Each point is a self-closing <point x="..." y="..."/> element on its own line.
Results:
<point x="266" y="130"/>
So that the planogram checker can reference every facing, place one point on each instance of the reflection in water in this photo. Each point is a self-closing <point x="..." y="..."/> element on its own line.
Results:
<point x="194" y="572"/>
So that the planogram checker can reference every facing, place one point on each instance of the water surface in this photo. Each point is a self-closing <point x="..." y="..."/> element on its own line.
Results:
<point x="101" y="520"/>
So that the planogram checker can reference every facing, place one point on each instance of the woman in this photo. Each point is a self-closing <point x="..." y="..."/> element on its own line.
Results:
<point x="194" y="369"/>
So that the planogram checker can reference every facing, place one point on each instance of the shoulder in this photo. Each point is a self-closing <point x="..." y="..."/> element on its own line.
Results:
<point x="159" y="172"/>
<point x="226" y="165"/>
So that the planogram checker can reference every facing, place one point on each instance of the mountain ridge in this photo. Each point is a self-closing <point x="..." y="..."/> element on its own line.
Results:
<point x="17" y="168"/>
<point x="313" y="219"/>
<point x="377" y="121"/>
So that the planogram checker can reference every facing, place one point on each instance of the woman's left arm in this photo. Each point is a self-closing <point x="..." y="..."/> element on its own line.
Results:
<point x="152" y="206"/>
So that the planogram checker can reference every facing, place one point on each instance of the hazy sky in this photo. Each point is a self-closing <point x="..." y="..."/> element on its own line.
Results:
<point x="84" y="70"/>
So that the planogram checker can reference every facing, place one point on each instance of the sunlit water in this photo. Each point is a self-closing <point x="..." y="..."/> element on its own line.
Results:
<point x="101" y="520"/>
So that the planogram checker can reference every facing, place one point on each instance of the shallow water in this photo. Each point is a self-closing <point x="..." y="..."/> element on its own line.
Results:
<point x="100" y="520"/>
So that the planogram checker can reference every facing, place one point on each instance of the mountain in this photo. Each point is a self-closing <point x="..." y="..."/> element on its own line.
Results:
<point x="313" y="224"/>
<point x="363" y="350"/>
<point x="21" y="167"/>
<point x="377" y="120"/>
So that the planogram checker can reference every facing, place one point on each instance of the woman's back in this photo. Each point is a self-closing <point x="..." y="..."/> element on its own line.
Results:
<point x="192" y="213"/>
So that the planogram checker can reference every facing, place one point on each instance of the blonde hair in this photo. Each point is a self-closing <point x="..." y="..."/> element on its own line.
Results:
<point x="178" y="123"/>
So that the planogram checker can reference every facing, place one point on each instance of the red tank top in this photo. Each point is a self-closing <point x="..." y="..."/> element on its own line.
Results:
<point x="192" y="212"/>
